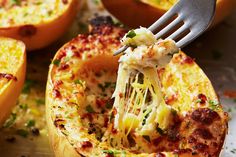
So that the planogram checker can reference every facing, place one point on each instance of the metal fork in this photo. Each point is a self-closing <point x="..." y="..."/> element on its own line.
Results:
<point x="194" y="15"/>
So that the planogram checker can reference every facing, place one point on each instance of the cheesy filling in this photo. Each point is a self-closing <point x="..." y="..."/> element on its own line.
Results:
<point x="139" y="103"/>
<point x="19" y="12"/>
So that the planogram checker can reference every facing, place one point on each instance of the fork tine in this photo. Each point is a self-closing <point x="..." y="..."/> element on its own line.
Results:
<point x="185" y="40"/>
<point x="178" y="32"/>
<point x="170" y="13"/>
<point x="168" y="28"/>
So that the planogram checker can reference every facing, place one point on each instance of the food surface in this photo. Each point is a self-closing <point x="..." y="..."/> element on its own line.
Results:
<point x="12" y="74"/>
<point x="82" y="120"/>
<point x="36" y="22"/>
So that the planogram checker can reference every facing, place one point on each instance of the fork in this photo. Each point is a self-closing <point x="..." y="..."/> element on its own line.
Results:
<point x="184" y="22"/>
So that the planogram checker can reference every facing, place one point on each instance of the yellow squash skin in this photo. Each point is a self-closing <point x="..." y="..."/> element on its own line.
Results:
<point x="65" y="101"/>
<point x="142" y="14"/>
<point x="43" y="32"/>
<point x="13" y="62"/>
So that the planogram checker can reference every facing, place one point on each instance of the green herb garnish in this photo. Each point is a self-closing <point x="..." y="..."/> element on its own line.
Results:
<point x="56" y="62"/>
<point x="23" y="106"/>
<point x="160" y="131"/>
<point x="131" y="34"/>
<point x="22" y="132"/>
<point x="27" y="86"/>
<point x="30" y="123"/>
<point x="78" y="82"/>
<point x="108" y="105"/>
<point x="214" y="105"/>
<point x="40" y="101"/>
<point x="10" y="121"/>
<point x="89" y="109"/>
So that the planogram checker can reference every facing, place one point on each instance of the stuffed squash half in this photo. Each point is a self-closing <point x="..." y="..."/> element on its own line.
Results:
<point x="12" y="74"/>
<point x="159" y="104"/>
<point x="37" y="23"/>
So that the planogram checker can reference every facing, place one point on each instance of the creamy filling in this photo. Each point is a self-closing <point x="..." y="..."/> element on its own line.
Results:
<point x="139" y="103"/>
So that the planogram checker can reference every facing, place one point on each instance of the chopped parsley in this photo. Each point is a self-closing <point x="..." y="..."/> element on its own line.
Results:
<point x="131" y="34"/>
<point x="23" y="106"/>
<point x="78" y="82"/>
<point x="56" y="62"/>
<point x="214" y="105"/>
<point x="89" y="109"/>
<point x="17" y="2"/>
<point x="109" y="105"/>
<point x="27" y="86"/>
<point x="40" y="101"/>
<point x="10" y="121"/>
<point x="113" y="152"/>
<point x="30" y="123"/>
<point x="22" y="133"/>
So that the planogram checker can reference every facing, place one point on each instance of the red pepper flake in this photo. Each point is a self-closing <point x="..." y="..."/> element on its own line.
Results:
<point x="86" y="144"/>
<point x="58" y="83"/>
<point x="106" y="120"/>
<point x="202" y="99"/>
<point x="8" y="76"/>
<point x="63" y="67"/>
<point x="27" y="30"/>
<point x="56" y="93"/>
<point x="100" y="103"/>
<point x="61" y="54"/>
<point x="188" y="60"/>
<point x="230" y="93"/>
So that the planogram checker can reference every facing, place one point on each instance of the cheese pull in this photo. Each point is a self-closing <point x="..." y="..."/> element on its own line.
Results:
<point x="139" y="103"/>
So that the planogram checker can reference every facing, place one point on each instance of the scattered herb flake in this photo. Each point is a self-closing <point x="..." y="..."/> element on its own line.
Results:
<point x="22" y="132"/>
<point x="40" y="101"/>
<point x="30" y="123"/>
<point x="23" y="106"/>
<point x="214" y="105"/>
<point x="56" y="62"/>
<point x="131" y="34"/>
<point x="78" y="82"/>
<point x="109" y="105"/>
<point x="103" y="88"/>
<point x="89" y="109"/>
<point x="27" y="86"/>
<point x="10" y="121"/>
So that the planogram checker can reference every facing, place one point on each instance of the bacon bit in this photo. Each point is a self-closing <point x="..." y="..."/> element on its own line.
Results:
<point x="87" y="115"/>
<point x="205" y="116"/>
<point x="114" y="112"/>
<point x="86" y="144"/>
<point x="27" y="30"/>
<point x="61" y="55"/>
<point x="114" y="131"/>
<point x="100" y="103"/>
<point x="106" y="120"/>
<point x="157" y="141"/>
<point x="203" y="133"/>
<point x="63" y="67"/>
<point x="160" y="155"/>
<point x="58" y="123"/>
<point x="8" y="76"/>
<point x="188" y="60"/>
<point x="58" y="83"/>
<point x="56" y="93"/>
<point x="230" y="93"/>
<point x="202" y="98"/>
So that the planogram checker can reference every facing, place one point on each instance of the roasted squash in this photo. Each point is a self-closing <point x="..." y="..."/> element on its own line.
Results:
<point x="12" y="74"/>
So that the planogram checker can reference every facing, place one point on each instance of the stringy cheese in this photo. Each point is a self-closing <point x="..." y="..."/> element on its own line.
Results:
<point x="139" y="102"/>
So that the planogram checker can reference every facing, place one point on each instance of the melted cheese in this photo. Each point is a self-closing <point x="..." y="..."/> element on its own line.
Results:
<point x="18" y="12"/>
<point x="139" y="102"/>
